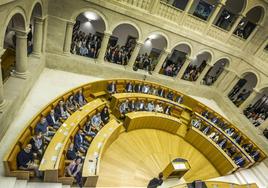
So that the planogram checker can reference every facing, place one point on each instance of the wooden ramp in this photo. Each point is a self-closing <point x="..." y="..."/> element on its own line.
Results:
<point x="139" y="155"/>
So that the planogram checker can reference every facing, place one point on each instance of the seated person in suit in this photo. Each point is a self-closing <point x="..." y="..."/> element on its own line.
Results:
<point x="90" y="130"/>
<point x="161" y="92"/>
<point x="179" y="99"/>
<point x="247" y="147"/>
<point x="255" y="155"/>
<point x="140" y="106"/>
<point x="155" y="182"/>
<point x="111" y="88"/>
<point x="153" y="91"/>
<point x="239" y="160"/>
<point x="205" y="114"/>
<point x="25" y="160"/>
<point x="79" y="98"/>
<point x="229" y="131"/>
<point x="131" y="106"/>
<point x="80" y="144"/>
<point x="105" y="116"/>
<point x="214" y="120"/>
<point x="123" y="108"/>
<point x="37" y="145"/>
<point x="150" y="106"/>
<point x="61" y="110"/>
<point x="196" y="123"/>
<point x="138" y="88"/>
<point x="167" y="110"/>
<point x="222" y="143"/>
<point x="206" y="129"/>
<point x="145" y="89"/>
<point x="159" y="108"/>
<point x="230" y="151"/>
<point x="238" y="139"/>
<point x="96" y="121"/>
<point x="71" y="153"/>
<point x="212" y="135"/>
<point x="46" y="130"/>
<point x="216" y="138"/>
<point x="129" y="87"/>
<point x="71" y="104"/>
<point x="170" y="95"/>
<point x="53" y="120"/>
<point x="74" y="170"/>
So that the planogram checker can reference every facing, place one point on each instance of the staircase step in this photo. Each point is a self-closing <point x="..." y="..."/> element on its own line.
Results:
<point x="7" y="182"/>
<point x="20" y="184"/>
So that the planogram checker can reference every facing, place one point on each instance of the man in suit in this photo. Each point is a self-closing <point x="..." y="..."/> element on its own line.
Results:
<point x="61" y="110"/>
<point x="129" y="87"/>
<point x="80" y="144"/>
<point x="53" y="120"/>
<point x="46" y="130"/>
<point x="111" y="88"/>
<point x="79" y="98"/>
<point x="155" y="182"/>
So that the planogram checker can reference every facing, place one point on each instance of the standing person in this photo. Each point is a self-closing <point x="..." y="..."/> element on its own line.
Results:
<point x="155" y="182"/>
<point x="74" y="170"/>
<point x="105" y="116"/>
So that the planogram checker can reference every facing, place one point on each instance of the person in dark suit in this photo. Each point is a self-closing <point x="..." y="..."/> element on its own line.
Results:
<point x="53" y="120"/>
<point x="80" y="144"/>
<point x="161" y="92"/>
<point x="170" y="95"/>
<point x="61" y="110"/>
<point x="79" y="98"/>
<point x="138" y="88"/>
<point x="155" y="182"/>
<point x="105" y="116"/>
<point x="129" y="87"/>
<point x="111" y="88"/>
<point x="37" y="145"/>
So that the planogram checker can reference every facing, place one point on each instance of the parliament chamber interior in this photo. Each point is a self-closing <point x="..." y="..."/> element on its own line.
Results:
<point x="134" y="93"/>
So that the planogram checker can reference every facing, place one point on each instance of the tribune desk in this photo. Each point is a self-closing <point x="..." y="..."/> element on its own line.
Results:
<point x="50" y="161"/>
<point x="95" y="152"/>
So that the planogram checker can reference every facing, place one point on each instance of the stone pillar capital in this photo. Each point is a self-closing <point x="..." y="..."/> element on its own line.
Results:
<point x="107" y="34"/>
<point x="71" y="22"/>
<point x="39" y="20"/>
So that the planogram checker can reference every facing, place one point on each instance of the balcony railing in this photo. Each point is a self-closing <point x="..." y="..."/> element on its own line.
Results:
<point x="143" y="4"/>
<point x="217" y="33"/>
<point x="169" y="12"/>
<point x="194" y="23"/>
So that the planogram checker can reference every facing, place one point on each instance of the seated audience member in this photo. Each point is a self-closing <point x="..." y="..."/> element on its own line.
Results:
<point x="167" y="110"/>
<point x="80" y="144"/>
<point x="150" y="106"/>
<point x="238" y="139"/>
<point x="154" y="91"/>
<point x="170" y="95"/>
<point x="230" y="131"/>
<point x="74" y="170"/>
<point x="46" y="130"/>
<point x="230" y="151"/>
<point x="159" y="108"/>
<point x="129" y="87"/>
<point x="214" y="120"/>
<point x="145" y="89"/>
<point x="53" y="120"/>
<point x="155" y="182"/>
<point x="131" y="106"/>
<point x="80" y="99"/>
<point x="196" y="123"/>
<point x="111" y="88"/>
<point x="90" y="130"/>
<point x="71" y="154"/>
<point x="96" y="121"/>
<point x="140" y="106"/>
<point x="247" y="147"/>
<point x="37" y="145"/>
<point x="179" y="99"/>
<point x="123" y="108"/>
<point x="61" y="110"/>
<point x="161" y="92"/>
<point x="206" y="129"/>
<point x="25" y="160"/>
<point x="205" y="114"/>
<point x="71" y="104"/>
<point x="255" y="155"/>
<point x="216" y="137"/>
<point x="138" y="88"/>
<point x="223" y="143"/>
<point x="105" y="116"/>
<point x="212" y="135"/>
<point x="239" y="160"/>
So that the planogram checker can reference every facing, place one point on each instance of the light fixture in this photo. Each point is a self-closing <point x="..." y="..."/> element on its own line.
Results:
<point x="91" y="16"/>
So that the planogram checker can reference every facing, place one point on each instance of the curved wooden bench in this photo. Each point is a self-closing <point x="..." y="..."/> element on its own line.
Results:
<point x="95" y="152"/>
<point x="51" y="159"/>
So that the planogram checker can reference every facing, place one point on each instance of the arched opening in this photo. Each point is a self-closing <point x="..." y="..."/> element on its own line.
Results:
<point x="88" y="33"/>
<point x="249" y="23"/>
<point x="203" y="9"/>
<point x="8" y="63"/>
<point x="179" y="4"/>
<point x="33" y="36"/>
<point x="150" y="52"/>
<point x="121" y="44"/>
<point x="215" y="71"/>
<point x="229" y="13"/>
<point x="243" y="88"/>
<point x="196" y="67"/>
<point x="175" y="61"/>
<point x="257" y="111"/>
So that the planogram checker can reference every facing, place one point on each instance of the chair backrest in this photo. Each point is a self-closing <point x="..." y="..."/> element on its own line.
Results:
<point x="34" y="123"/>
<point x="46" y="111"/>
<point x="25" y="138"/>
<point x="61" y="166"/>
<point x="12" y="160"/>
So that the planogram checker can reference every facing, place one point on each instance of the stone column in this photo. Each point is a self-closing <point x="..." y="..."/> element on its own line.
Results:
<point x="68" y="37"/>
<point x="21" y="55"/>
<point x="38" y="36"/>
<point x="184" y="67"/>
<point x="249" y="100"/>
<point x="232" y="83"/>
<point x="238" y="20"/>
<point x="154" y="6"/>
<point x="221" y="77"/>
<point x="134" y="54"/>
<point x="162" y="59"/>
<point x="2" y="100"/>
<point x="215" y="14"/>
<point x="103" y="48"/>
<point x="203" y="73"/>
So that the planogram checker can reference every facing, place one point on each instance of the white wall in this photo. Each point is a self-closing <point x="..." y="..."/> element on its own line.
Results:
<point x="123" y="31"/>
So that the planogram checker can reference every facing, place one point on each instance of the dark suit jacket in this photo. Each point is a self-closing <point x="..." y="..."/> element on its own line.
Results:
<point x="50" y="121"/>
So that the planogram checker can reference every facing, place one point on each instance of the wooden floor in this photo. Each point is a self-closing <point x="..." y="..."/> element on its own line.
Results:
<point x="137" y="156"/>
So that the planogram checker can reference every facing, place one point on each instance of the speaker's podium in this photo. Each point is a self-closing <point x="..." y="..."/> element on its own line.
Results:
<point x="176" y="168"/>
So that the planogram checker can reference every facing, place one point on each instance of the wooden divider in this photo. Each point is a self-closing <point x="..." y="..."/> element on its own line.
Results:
<point x="51" y="158"/>
<point x="98" y="146"/>
<point x="220" y="160"/>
